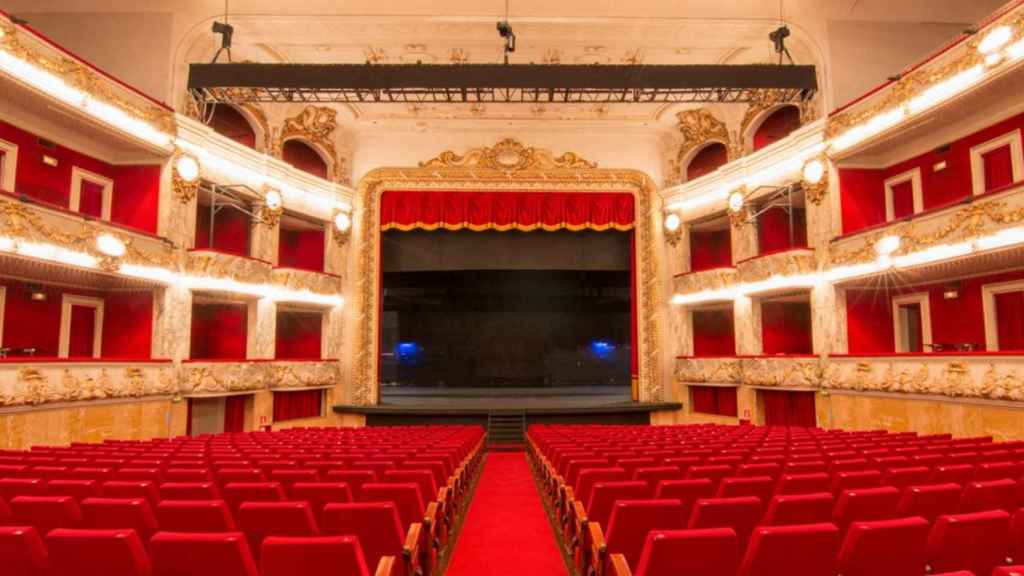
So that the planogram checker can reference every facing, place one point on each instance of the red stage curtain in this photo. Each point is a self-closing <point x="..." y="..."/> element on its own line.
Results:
<point x="709" y="159"/>
<point x="773" y="230"/>
<point x="298" y="335"/>
<point x="82" y="332"/>
<point x="786" y="327"/>
<point x="231" y="229"/>
<point x="298" y="404"/>
<point x="902" y="199"/>
<point x="726" y="397"/>
<point x="219" y="331"/>
<point x="777" y="126"/>
<point x="998" y="168"/>
<point x="524" y="211"/>
<point x="788" y="408"/>
<point x="1010" y="320"/>
<point x="634" y="350"/>
<point x="234" y="413"/>
<point x="229" y="122"/>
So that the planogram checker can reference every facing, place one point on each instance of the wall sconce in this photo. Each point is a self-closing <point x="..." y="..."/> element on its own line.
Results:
<point x="951" y="291"/>
<point x="738" y="207"/>
<point x="673" y="228"/>
<point x="50" y="161"/>
<point x="815" y="180"/>
<point x="342" y="228"/>
<point x="273" y="205"/>
<point x="185" y="177"/>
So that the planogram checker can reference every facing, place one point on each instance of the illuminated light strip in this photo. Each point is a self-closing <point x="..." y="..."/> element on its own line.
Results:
<point x="749" y="289"/>
<point x="54" y="253"/>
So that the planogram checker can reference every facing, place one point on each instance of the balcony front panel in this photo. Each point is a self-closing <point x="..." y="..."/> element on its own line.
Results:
<point x="990" y="376"/>
<point x="284" y="374"/>
<point x="307" y="280"/>
<point x="761" y="371"/>
<point x="794" y="262"/>
<point x="228" y="266"/>
<point x="711" y="370"/>
<point x="33" y="382"/>
<point x="211" y="377"/>
<point x="713" y="279"/>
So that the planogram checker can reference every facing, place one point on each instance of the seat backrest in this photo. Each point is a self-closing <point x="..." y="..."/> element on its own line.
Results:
<point x="851" y="479"/>
<point x="289" y="476"/>
<point x="714" y="472"/>
<point x="804" y="550"/>
<point x="354" y="478"/>
<point x="22" y="552"/>
<point x="11" y="488"/>
<point x="976" y="541"/>
<point x="956" y="473"/>
<point x="376" y="524"/>
<point x="589" y="476"/>
<point x="785" y="510"/>
<point x="189" y="491"/>
<point x="631" y="464"/>
<point x="885" y="548"/>
<point x="96" y="553"/>
<point x="760" y="486"/>
<point x="604" y="495"/>
<point x="405" y="495"/>
<point x="131" y="489"/>
<point x="863" y="504"/>
<point x="631" y="520"/>
<point x="195" y="516"/>
<point x="708" y="552"/>
<point x="930" y="500"/>
<point x="261" y="519"/>
<point x="998" y="470"/>
<point x="237" y="492"/>
<point x="902" y="477"/>
<point x="989" y="495"/>
<point x="770" y="469"/>
<point x="151" y="474"/>
<point x="77" y="489"/>
<point x="1001" y="571"/>
<point x="654" y="474"/>
<point x="1017" y="537"/>
<point x="803" y="483"/>
<point x="46" y="512"/>
<point x="320" y="494"/>
<point x="686" y="491"/>
<point x="287" y="556"/>
<point x="186" y="475"/>
<point x="6" y="517"/>
<point x="436" y="467"/>
<point x="741" y="514"/>
<point x="225" y="476"/>
<point x="120" y="513"/>
<point x="181" y="554"/>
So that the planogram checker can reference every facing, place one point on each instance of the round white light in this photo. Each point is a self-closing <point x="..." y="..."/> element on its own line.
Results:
<point x="736" y="201"/>
<point x="187" y="168"/>
<point x="814" y="171"/>
<point x="995" y="39"/>
<point x="886" y="245"/>
<point x="342" y="222"/>
<point x="672" y="222"/>
<point x="110" y="245"/>
<point x="272" y="199"/>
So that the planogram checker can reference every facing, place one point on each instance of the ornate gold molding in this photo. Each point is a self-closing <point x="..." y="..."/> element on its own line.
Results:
<point x="508" y="165"/>
<point x="316" y="125"/>
<point x="790" y="263"/>
<point x="218" y="265"/>
<point x="700" y="127"/>
<point x="300" y="280"/>
<point x="764" y="100"/>
<point x="713" y="279"/>
<point x="50" y="383"/>
<point x="958" y="378"/>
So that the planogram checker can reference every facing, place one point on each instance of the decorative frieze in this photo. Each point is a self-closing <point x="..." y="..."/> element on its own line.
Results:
<point x="228" y="266"/>
<point x="713" y="279"/>
<point x="300" y="280"/>
<point x="35" y="383"/>
<point x="788" y="263"/>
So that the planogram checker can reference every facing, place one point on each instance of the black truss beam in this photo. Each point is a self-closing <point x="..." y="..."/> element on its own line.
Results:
<point x="508" y="83"/>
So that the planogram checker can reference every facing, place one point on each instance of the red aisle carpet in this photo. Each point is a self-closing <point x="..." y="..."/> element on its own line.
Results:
<point x="506" y="530"/>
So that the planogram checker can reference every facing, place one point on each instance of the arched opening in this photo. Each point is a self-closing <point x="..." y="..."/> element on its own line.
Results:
<point x="777" y="126"/>
<point x="707" y="160"/>
<point x="304" y="157"/>
<point x="229" y="122"/>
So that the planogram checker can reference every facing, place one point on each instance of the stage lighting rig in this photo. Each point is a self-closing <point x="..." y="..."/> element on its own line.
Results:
<point x="226" y="31"/>
<point x="505" y="31"/>
<point x="778" y="38"/>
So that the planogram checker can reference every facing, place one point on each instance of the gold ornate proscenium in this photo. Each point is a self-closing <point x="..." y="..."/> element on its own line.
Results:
<point x="511" y="166"/>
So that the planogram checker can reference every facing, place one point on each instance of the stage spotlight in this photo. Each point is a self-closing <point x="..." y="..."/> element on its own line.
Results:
<point x="886" y="245"/>
<point x="736" y="201"/>
<point x="814" y="171"/>
<point x="505" y="31"/>
<point x="187" y="168"/>
<point x="272" y="199"/>
<point x="226" y="32"/>
<point x="110" y="245"/>
<point x="995" y="39"/>
<point x="672" y="222"/>
<point x="342" y="222"/>
<point x="778" y="38"/>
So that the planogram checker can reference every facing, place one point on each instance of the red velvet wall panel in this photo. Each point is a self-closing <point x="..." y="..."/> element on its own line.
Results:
<point x="998" y="168"/>
<point x="298" y="335"/>
<point x="234" y="413"/>
<point x="128" y="325"/>
<point x="298" y="404"/>
<point x="788" y="408"/>
<point x="136" y="188"/>
<point x="902" y="199"/>
<point x="301" y="249"/>
<point x="713" y="333"/>
<point x="82" y="332"/>
<point x="862" y="195"/>
<point x="709" y="159"/>
<point x="786" y="327"/>
<point x="773" y="230"/>
<point x="302" y="156"/>
<point x="230" y="123"/>
<point x="1010" y="320"/>
<point x="869" y="322"/>
<point x="219" y="331"/>
<point x="777" y="126"/>
<point x="32" y="323"/>
<point x="710" y="249"/>
<point x="230" y="231"/>
<point x="90" y="199"/>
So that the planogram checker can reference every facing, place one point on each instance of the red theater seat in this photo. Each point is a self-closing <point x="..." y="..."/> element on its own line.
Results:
<point x="46" y="513"/>
<point x="760" y="486"/>
<point x="956" y="473"/>
<point x="189" y="491"/>
<point x="604" y="495"/>
<point x="686" y="491"/>
<point x="998" y="471"/>
<point x="376" y="524"/>
<point x="587" y="478"/>
<point x="654" y="474"/>
<point x="628" y="526"/>
<point x="708" y="552"/>
<point x="852" y="479"/>
<point x="261" y="519"/>
<point x="178" y="554"/>
<point x="1017" y="537"/>
<point x="1002" y="571"/>
<point x="741" y="514"/>
<point x="715" y="473"/>
<point x="405" y="496"/>
<point x="319" y="495"/>
<point x="907" y="476"/>
<point x="77" y="489"/>
<point x="803" y="483"/>
<point x="225" y="476"/>
<point x="976" y="541"/>
<point x="237" y="492"/>
<point x="287" y="477"/>
<point x="989" y="495"/>
<point x="884" y="548"/>
<point x="423" y="478"/>
<point x="769" y="469"/>
<point x="22" y="552"/>
<point x="354" y="478"/>
<point x="11" y="488"/>
<point x="287" y="556"/>
<point x="798" y="509"/>
<point x="930" y="501"/>
<point x="96" y="553"/>
<point x="119" y="514"/>
<point x="195" y="516"/>
<point x="186" y="475"/>
<point x="864" y="504"/>
<point x="805" y="550"/>
<point x="131" y="489"/>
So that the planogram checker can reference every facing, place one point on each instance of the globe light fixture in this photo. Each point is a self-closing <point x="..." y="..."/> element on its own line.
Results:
<point x="814" y="171"/>
<point x="187" y="168"/>
<point x="110" y="245"/>
<point x="995" y="39"/>
<point x="736" y="201"/>
<point x="672" y="222"/>
<point x="886" y="245"/>
<point x="342" y="222"/>
<point x="272" y="199"/>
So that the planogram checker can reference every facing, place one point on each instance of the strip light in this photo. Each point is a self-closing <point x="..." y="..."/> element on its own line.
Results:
<point x="54" y="253"/>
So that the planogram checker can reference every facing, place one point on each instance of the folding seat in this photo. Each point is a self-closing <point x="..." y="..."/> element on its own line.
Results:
<point x="290" y="476"/>
<point x="186" y="475"/>
<point x="962" y="457"/>
<point x="268" y="464"/>
<point x="377" y="467"/>
<point x="1001" y="571"/>
<point x="436" y="467"/>
<point x="189" y="491"/>
<point x="682" y="462"/>
<point x="378" y="528"/>
<point x="235" y="493"/>
<point x="885" y="548"/>
<point x="708" y="552"/>
<point x="287" y="556"/>
<point x="770" y="469"/>
<point x="990" y="495"/>
<point x="686" y="491"/>
<point x="803" y="483"/>
<point x="805" y="467"/>
<point x="194" y="516"/>
<point x="761" y="486"/>
<point x="603" y="496"/>
<point x="903" y="476"/>
<point x="422" y="478"/>
<point x="47" y="472"/>
<point x="627" y="530"/>
<point x="975" y="541"/>
<point x="22" y="552"/>
<point x="958" y="473"/>
<point x="98" y="473"/>
<point x="998" y="471"/>
<point x="6" y="518"/>
<point x="178" y="554"/>
<point x="77" y="489"/>
<point x="96" y="553"/>
<point x="741" y="514"/>
<point x="354" y="478"/>
<point x="319" y="495"/>
<point x="849" y="465"/>
<point x="406" y="497"/>
<point x="261" y="519"/>
<point x="655" y="474"/>
<point x="1017" y="537"/>
<point x="785" y="510"/>
<point x="13" y="470"/>
<point x="805" y="550"/>
<point x="733" y="461"/>
<point x="631" y="464"/>
<point x="11" y="488"/>
<point x="849" y="480"/>
<point x="930" y="501"/>
<point x="151" y="474"/>
<point x="46" y="512"/>
<point x="864" y="504"/>
<point x="225" y="476"/>
<point x="713" y="473"/>
<point x="121" y="514"/>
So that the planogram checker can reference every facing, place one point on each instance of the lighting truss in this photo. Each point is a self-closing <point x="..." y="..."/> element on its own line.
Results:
<point x="499" y="83"/>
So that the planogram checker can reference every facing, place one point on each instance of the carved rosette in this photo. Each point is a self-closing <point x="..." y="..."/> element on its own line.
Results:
<point x="714" y="279"/>
<point x="304" y="280"/>
<point x="218" y="265"/>
<point x="967" y="377"/>
<point x="789" y="263"/>
<point x="33" y="384"/>
<point x="304" y="374"/>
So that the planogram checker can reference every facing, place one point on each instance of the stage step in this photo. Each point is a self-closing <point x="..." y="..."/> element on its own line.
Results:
<point x="506" y="428"/>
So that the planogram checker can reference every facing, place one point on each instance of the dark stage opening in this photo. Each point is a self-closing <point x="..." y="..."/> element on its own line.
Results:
<point x="506" y="310"/>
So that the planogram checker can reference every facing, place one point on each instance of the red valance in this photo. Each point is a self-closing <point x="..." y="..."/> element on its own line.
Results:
<point x="524" y="211"/>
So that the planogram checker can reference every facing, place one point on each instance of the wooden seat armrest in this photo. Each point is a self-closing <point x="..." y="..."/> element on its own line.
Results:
<point x="619" y="565"/>
<point x="411" y="549"/>
<point x="432" y="524"/>
<point x="598" y="547"/>
<point x="579" y="522"/>
<point x="386" y="566"/>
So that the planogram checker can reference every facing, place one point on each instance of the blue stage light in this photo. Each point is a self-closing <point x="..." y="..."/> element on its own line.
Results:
<point x="602" y="348"/>
<point x="407" y="352"/>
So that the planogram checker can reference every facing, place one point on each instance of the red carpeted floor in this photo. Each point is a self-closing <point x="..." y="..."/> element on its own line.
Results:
<point x="506" y="530"/>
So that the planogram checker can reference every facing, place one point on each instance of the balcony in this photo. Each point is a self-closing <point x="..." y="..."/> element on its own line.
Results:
<point x="299" y="280"/>
<point x="705" y="280"/>
<point x="293" y="374"/>
<point x="792" y="371"/>
<point x="36" y="381"/>
<point x="795" y="262"/>
<point x="219" y="377"/>
<point x="213" y="264"/>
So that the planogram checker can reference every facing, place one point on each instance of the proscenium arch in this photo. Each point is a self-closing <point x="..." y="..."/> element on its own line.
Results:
<point x="507" y="166"/>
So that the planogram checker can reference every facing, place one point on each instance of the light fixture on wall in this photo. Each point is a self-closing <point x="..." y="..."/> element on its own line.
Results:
<point x="995" y="39"/>
<point x="342" y="222"/>
<point x="885" y="246"/>
<point x="36" y="293"/>
<point x="813" y="171"/>
<point x="187" y="168"/>
<point x="272" y="199"/>
<point x="736" y="201"/>
<point x="110" y="245"/>
<point x="673" y="228"/>
<point x="952" y="290"/>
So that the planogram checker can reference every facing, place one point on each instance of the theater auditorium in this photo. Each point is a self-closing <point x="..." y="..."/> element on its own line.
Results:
<point x="511" y="288"/>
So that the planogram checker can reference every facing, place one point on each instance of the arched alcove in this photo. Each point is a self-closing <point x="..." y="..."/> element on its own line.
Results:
<point x="776" y="126"/>
<point x="303" y="157"/>
<point x="707" y="160"/>
<point x="230" y="123"/>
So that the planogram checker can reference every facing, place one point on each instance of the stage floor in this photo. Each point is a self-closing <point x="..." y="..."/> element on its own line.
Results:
<point x="506" y="398"/>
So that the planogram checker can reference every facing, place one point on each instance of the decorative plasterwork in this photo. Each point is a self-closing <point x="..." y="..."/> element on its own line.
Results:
<point x="508" y="165"/>
<point x="765" y="101"/>
<point x="782" y="372"/>
<point x="981" y="377"/>
<point x="33" y="383"/>
<point x="714" y="279"/>
<point x="699" y="127"/>
<point x="300" y="280"/>
<point x="789" y="263"/>
<point x="303" y="374"/>
<point x="219" y="265"/>
<point x="815" y="193"/>
<point x="708" y="370"/>
<point x="315" y="125"/>
<point x="218" y="377"/>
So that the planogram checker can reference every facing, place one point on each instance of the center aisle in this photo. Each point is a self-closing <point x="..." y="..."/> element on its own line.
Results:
<point x="506" y="530"/>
